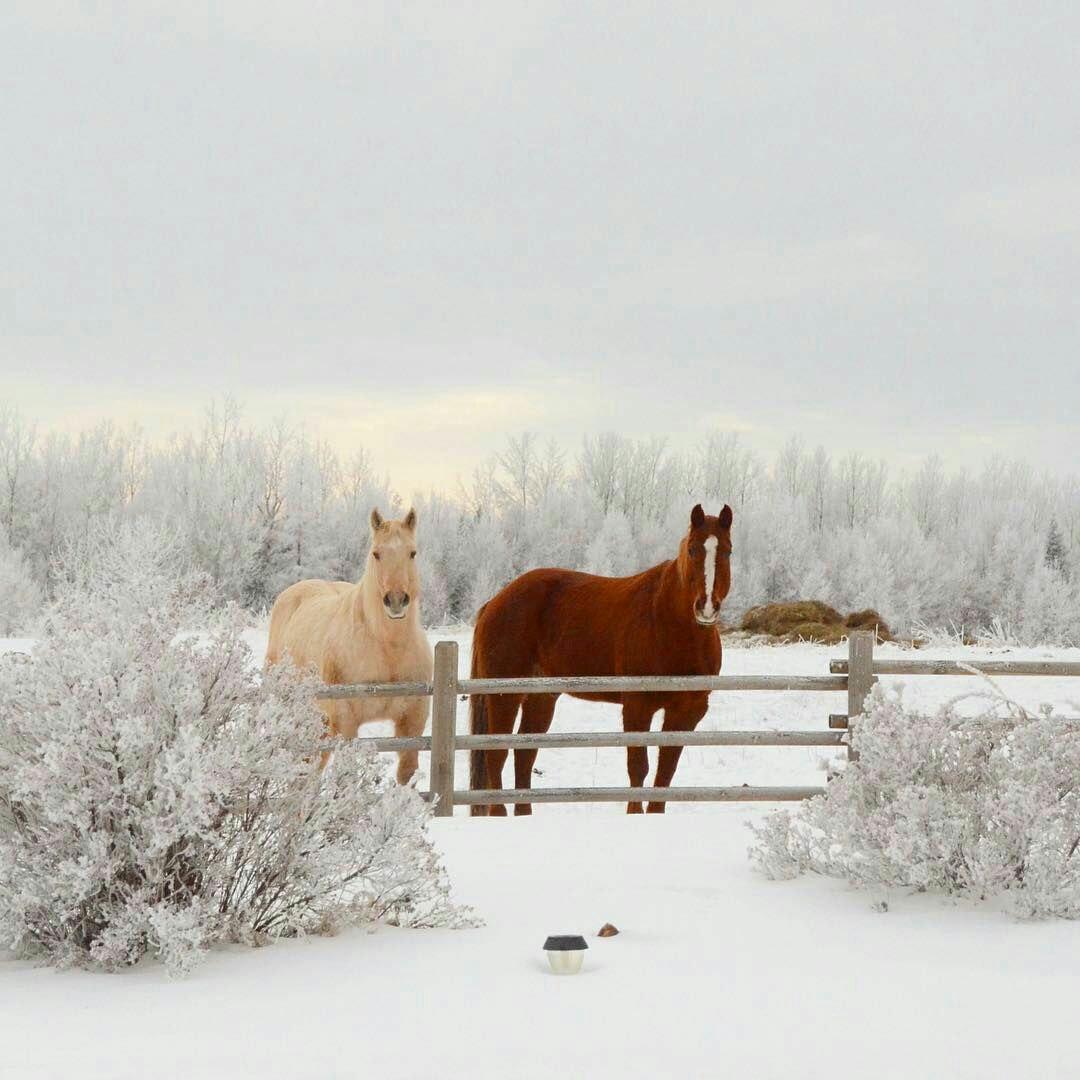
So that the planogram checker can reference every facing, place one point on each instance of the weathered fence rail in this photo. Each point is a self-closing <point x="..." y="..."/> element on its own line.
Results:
<point x="855" y="675"/>
<point x="1045" y="668"/>
<point x="592" y="684"/>
<point x="637" y="794"/>
<point x="589" y="740"/>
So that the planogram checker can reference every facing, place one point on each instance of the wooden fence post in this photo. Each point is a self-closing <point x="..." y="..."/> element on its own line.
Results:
<point x="860" y="677"/>
<point x="443" y="726"/>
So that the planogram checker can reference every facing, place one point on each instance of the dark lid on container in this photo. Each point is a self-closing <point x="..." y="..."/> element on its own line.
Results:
<point x="565" y="943"/>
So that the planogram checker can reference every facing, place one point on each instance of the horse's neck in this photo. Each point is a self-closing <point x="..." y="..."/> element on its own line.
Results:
<point x="671" y="596"/>
<point x="672" y="599"/>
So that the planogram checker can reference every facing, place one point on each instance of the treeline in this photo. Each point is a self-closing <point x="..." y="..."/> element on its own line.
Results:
<point x="996" y="552"/>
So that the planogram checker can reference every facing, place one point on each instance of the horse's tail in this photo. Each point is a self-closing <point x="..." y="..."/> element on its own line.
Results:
<point x="478" y="725"/>
<point x="478" y="722"/>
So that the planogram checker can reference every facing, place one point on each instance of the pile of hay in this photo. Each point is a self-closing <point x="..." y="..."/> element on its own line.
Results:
<point x="811" y="620"/>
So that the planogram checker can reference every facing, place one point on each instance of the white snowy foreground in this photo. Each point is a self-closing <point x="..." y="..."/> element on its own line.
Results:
<point x="716" y="972"/>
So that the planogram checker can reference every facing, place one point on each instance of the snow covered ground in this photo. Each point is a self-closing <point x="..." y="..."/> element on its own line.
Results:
<point x="716" y="971"/>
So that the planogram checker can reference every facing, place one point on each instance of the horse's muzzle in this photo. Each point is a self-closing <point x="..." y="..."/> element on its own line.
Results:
<point x="706" y="620"/>
<point x="396" y="604"/>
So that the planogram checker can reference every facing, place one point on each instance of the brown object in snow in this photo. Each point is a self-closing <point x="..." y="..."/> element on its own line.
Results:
<point x="607" y="930"/>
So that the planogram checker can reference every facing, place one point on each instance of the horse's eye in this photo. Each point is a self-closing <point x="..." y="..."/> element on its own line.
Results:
<point x="412" y="554"/>
<point x="695" y="549"/>
<point x="376" y="554"/>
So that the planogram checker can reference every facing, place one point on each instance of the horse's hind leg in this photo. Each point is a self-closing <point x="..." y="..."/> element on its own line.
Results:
<point x="685" y="716"/>
<point x="502" y="712"/>
<point x="637" y="715"/>
<point x="536" y="716"/>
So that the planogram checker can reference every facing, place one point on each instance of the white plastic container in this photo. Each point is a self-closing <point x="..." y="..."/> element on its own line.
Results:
<point x="565" y="953"/>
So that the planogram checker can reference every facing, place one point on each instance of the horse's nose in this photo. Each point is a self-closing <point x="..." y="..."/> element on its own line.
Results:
<point x="396" y="603"/>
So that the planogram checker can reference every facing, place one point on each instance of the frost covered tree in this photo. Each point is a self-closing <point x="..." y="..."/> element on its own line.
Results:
<point x="489" y="553"/>
<point x="978" y="805"/>
<point x="818" y="488"/>
<point x="20" y="597"/>
<point x="612" y="551"/>
<point x="259" y="507"/>
<point x="445" y="568"/>
<point x="159" y="795"/>
<point x="17" y="439"/>
<point x="519" y="462"/>
<point x="727" y="471"/>
<point x="598" y="465"/>
<point x="1055" y="550"/>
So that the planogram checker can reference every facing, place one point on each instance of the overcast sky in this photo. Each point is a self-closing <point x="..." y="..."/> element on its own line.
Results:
<point x="422" y="227"/>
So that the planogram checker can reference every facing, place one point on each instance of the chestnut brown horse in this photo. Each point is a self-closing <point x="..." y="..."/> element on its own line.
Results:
<point x="560" y="623"/>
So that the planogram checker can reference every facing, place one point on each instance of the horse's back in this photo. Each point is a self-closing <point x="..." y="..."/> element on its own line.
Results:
<point x="557" y="622"/>
<point x="563" y="623"/>
<point x="300" y="618"/>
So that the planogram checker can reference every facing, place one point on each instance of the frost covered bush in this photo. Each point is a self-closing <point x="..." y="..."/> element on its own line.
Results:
<point x="158" y="794"/>
<point x="20" y="596"/>
<point x="982" y="806"/>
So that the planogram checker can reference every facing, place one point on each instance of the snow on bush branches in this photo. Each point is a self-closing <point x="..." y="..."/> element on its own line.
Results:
<point x="158" y="794"/>
<point x="982" y="806"/>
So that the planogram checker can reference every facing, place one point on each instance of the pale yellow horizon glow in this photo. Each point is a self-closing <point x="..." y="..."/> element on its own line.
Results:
<point x="433" y="441"/>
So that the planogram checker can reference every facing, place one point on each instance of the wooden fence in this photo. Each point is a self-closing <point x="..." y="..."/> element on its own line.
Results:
<point x="855" y="676"/>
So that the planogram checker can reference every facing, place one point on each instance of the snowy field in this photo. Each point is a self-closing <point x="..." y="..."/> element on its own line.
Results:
<point x="716" y="970"/>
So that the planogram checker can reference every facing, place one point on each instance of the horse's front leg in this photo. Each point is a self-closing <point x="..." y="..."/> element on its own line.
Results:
<point x="637" y="714"/>
<point x="410" y="724"/>
<point x="329" y="708"/>
<point x="682" y="716"/>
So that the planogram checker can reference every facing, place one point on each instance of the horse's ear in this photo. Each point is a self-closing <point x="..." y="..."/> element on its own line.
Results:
<point x="725" y="517"/>
<point x="697" y="517"/>
<point x="410" y="520"/>
<point x="376" y="520"/>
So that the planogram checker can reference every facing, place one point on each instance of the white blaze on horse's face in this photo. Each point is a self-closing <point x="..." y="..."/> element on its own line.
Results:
<point x="709" y="612"/>
<point x="707" y="570"/>
<point x="392" y="564"/>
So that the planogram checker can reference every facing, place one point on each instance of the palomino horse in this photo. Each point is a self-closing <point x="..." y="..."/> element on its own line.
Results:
<point x="367" y="632"/>
<point x="559" y="623"/>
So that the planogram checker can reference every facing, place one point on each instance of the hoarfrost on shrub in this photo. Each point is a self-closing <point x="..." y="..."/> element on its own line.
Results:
<point x="976" y="805"/>
<point x="159" y="794"/>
